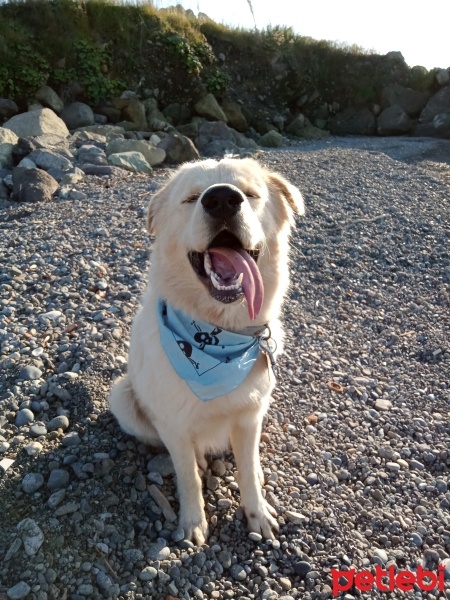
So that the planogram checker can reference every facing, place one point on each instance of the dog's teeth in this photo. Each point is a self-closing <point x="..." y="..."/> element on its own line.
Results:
<point x="214" y="281"/>
<point x="239" y="280"/>
<point x="207" y="264"/>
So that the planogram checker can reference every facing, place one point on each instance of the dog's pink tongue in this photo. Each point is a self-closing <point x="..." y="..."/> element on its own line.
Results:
<point x="227" y="262"/>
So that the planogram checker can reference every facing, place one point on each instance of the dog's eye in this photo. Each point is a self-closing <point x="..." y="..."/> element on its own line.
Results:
<point x="251" y="194"/>
<point x="191" y="199"/>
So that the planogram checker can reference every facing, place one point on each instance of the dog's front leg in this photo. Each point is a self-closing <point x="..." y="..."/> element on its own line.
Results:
<point x="245" y="443"/>
<point x="192" y="515"/>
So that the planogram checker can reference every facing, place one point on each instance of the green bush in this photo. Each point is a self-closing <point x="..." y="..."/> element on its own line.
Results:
<point x="92" y="65"/>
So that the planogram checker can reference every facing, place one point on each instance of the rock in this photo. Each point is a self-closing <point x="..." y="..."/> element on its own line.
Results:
<point x="32" y="536"/>
<point x="37" y="122"/>
<point x="24" y="417"/>
<point x="178" y="148"/>
<point x="33" y="185"/>
<point x="395" y="55"/>
<point x="211" y="131"/>
<point x="302" y="127"/>
<point x="219" y="148"/>
<point x="29" y="373"/>
<point x="148" y="573"/>
<point x="8" y="108"/>
<point x="272" y="139"/>
<point x="50" y="159"/>
<point x="242" y="141"/>
<point x="8" y="140"/>
<point x="437" y="104"/>
<point x="393" y="121"/>
<point x="381" y="555"/>
<point x="27" y="163"/>
<point x="383" y="405"/>
<point x="134" y="112"/>
<point x="235" y="117"/>
<point x="443" y="76"/>
<point x="102" y="170"/>
<point x="71" y="439"/>
<point x="32" y="482"/>
<point x="162" y="464"/>
<point x="218" y="467"/>
<point x="302" y="568"/>
<point x="177" y="113"/>
<point x="353" y="121"/>
<point x="411" y="101"/>
<point x="59" y="478"/>
<point x="153" y="155"/>
<point x="91" y="154"/>
<point x="112" y="113"/>
<point x="209" y="108"/>
<point x="108" y="131"/>
<point x="190" y="130"/>
<point x="77" y="114"/>
<point x="59" y="422"/>
<point x="19" y="591"/>
<point x="441" y="124"/>
<point x="237" y="572"/>
<point x="49" y="98"/>
<point x="131" y="161"/>
<point x="37" y="430"/>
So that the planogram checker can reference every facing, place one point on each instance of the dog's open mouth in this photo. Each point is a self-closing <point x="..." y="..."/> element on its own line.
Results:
<point x="230" y="272"/>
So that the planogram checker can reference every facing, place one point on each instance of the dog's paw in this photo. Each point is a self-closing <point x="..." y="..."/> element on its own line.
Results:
<point x="195" y="530"/>
<point x="262" y="519"/>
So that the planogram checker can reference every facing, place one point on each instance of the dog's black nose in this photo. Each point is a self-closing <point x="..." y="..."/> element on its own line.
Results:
<point x="222" y="201"/>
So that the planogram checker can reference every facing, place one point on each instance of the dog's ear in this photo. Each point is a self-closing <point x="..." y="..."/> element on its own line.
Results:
<point x="290" y="193"/>
<point x="153" y="207"/>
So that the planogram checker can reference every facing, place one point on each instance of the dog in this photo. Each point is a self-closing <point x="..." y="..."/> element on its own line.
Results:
<point x="198" y="372"/>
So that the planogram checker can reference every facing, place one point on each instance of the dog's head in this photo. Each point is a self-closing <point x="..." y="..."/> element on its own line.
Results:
<point x="222" y="238"/>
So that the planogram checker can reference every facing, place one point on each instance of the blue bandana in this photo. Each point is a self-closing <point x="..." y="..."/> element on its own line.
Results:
<point x="212" y="361"/>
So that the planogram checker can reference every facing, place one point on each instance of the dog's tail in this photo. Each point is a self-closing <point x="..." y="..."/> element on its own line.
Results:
<point x="132" y="417"/>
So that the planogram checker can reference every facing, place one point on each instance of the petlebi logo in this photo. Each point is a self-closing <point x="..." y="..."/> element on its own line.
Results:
<point x="388" y="580"/>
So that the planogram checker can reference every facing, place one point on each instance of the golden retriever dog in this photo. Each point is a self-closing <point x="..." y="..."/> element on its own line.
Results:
<point x="198" y="370"/>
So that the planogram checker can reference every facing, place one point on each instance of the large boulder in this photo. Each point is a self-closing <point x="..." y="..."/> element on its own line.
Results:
<point x="8" y="108"/>
<point x="78" y="114"/>
<point x="177" y="113"/>
<point x="442" y="125"/>
<point x="153" y="155"/>
<point x="108" y="131"/>
<point x="409" y="100"/>
<point x="394" y="121"/>
<point x="436" y="105"/>
<point x="131" y="161"/>
<point x="211" y="131"/>
<point x="353" y="121"/>
<point x="8" y="140"/>
<point x="219" y="148"/>
<point x="37" y="122"/>
<point x="302" y="127"/>
<point x="178" y="148"/>
<point x="50" y="159"/>
<point x="49" y="98"/>
<point x="235" y="117"/>
<point x="134" y="112"/>
<point x="90" y="154"/>
<point x="209" y="108"/>
<point x="443" y="76"/>
<point x="33" y="185"/>
<point x="272" y="139"/>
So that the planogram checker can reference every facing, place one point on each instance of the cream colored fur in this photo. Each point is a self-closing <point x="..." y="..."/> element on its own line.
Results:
<point x="151" y="402"/>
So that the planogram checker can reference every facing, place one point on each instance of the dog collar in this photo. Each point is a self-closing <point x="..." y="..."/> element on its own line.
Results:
<point x="212" y="361"/>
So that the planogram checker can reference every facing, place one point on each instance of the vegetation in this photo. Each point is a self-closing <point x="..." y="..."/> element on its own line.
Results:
<point x="92" y="50"/>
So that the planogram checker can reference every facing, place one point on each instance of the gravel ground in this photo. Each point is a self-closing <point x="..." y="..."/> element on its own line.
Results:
<point x="355" y="448"/>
